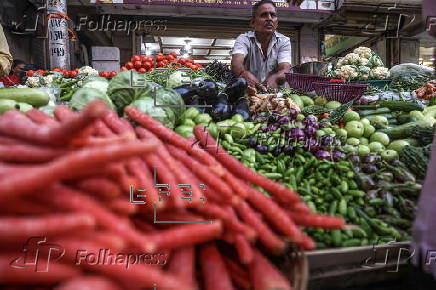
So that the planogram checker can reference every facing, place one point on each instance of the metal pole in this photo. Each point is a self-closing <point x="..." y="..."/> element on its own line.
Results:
<point x="58" y="41"/>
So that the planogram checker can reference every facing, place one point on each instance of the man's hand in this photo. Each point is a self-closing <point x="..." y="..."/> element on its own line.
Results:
<point x="271" y="82"/>
<point x="252" y="81"/>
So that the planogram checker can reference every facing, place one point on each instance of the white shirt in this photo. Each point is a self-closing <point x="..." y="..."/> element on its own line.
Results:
<point x="279" y="51"/>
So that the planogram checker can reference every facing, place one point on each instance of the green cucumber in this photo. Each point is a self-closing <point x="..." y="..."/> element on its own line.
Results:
<point x="31" y="96"/>
<point x="405" y="106"/>
<point x="378" y="111"/>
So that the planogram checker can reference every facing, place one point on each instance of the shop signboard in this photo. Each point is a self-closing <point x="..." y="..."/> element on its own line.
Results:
<point x="308" y="5"/>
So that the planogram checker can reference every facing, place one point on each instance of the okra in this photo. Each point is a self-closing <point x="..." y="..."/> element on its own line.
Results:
<point x="273" y="175"/>
<point x="336" y="237"/>
<point x="356" y="193"/>
<point x="336" y="192"/>
<point x="344" y="186"/>
<point x="376" y="201"/>
<point x="333" y="207"/>
<point x="352" y="243"/>
<point x="351" y="214"/>
<point x="229" y="138"/>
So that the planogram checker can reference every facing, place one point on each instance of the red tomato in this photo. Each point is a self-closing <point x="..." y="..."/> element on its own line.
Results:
<point x="170" y="57"/>
<point x="66" y="74"/>
<point x="113" y="73"/>
<point x="147" y="64"/>
<point x="123" y="68"/>
<point x="143" y="58"/>
<point x="173" y="54"/>
<point x="194" y="67"/>
<point x="164" y="62"/>
<point x="57" y="70"/>
<point x="30" y="73"/>
<point x="137" y="64"/>
<point x="142" y="70"/>
<point x="135" y="58"/>
<point x="73" y="74"/>
<point x="129" y="65"/>
<point x="182" y="61"/>
<point x="159" y="57"/>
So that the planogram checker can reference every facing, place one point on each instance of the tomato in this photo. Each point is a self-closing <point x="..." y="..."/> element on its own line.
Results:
<point x="135" y="58"/>
<point x="142" y="70"/>
<point x="73" y="74"/>
<point x="164" y="62"/>
<point x="159" y="57"/>
<point x="147" y="64"/>
<point x="137" y="64"/>
<point x="143" y="58"/>
<point x="30" y="73"/>
<point x="57" y="70"/>
<point x="170" y="58"/>
<point x="112" y="74"/>
<point x="194" y="67"/>
<point x="129" y="65"/>
<point x="182" y="61"/>
<point x="173" y="54"/>
<point x="123" y="68"/>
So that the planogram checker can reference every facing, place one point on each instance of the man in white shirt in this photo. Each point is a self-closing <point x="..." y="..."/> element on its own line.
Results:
<point x="262" y="55"/>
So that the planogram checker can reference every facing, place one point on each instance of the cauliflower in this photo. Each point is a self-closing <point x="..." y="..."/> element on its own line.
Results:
<point x="379" y="73"/>
<point x="352" y="58"/>
<point x="363" y="52"/>
<point x="348" y="72"/>
<point x="364" y="76"/>
<point x="88" y="71"/>
<point x="364" y="69"/>
<point x="48" y="79"/>
<point x="33" y="82"/>
<point x="340" y="63"/>
<point x="364" y="61"/>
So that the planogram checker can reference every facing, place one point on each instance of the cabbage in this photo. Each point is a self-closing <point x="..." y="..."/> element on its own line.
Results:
<point x="47" y="109"/>
<point x="177" y="78"/>
<point x="97" y="84"/>
<point x="171" y="97"/>
<point x="126" y="87"/>
<point x="162" y="114"/>
<point x="84" y="96"/>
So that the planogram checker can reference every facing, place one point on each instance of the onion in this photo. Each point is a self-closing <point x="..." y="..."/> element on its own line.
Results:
<point x="310" y="131"/>
<point x="322" y="154"/>
<point x="338" y="155"/>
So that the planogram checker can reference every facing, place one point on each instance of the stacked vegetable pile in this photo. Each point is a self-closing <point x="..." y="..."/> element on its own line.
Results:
<point x="361" y="64"/>
<point x="67" y="178"/>
<point x="143" y="64"/>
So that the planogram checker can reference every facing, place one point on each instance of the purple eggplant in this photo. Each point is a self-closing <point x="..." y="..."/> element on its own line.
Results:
<point x="310" y="131"/>
<point x="293" y="113"/>
<point x="338" y="155"/>
<point x="322" y="154"/>
<point x="262" y="149"/>
<point x="354" y="158"/>
<point x="284" y="120"/>
<point x="311" y="145"/>
<point x="297" y="134"/>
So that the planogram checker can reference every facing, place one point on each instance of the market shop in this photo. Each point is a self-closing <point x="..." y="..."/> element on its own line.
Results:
<point x="132" y="156"/>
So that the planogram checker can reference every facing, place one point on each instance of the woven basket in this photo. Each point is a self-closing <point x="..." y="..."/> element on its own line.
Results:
<point x="303" y="82"/>
<point x="340" y="92"/>
<point x="294" y="265"/>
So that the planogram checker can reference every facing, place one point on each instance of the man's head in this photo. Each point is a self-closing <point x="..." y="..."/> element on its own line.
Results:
<point x="264" y="17"/>
<point x="17" y="67"/>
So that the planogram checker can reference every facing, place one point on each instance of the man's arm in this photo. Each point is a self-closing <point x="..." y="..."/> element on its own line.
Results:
<point x="5" y="55"/>
<point x="239" y="70"/>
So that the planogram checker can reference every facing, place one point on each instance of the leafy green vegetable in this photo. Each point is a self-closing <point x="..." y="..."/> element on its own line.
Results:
<point x="177" y="78"/>
<point x="84" y="96"/>
<point x="97" y="84"/>
<point x="127" y="87"/>
<point x="163" y="114"/>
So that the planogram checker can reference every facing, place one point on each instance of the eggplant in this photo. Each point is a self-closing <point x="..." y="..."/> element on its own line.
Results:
<point x="236" y="89"/>
<point x="208" y="90"/>
<point x="366" y="182"/>
<point x="199" y="103"/>
<point x="187" y="92"/>
<point x="242" y="108"/>
<point x="222" y="110"/>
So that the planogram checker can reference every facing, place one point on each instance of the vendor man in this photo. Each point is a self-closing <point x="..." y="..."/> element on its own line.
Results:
<point x="262" y="56"/>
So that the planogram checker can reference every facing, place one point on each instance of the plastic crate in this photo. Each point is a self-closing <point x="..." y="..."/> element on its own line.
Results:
<point x="340" y="92"/>
<point x="380" y="84"/>
<point x="303" y="82"/>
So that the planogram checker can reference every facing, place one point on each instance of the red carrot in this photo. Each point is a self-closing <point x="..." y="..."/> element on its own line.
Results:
<point x="63" y="113"/>
<point x="16" y="275"/>
<point x="182" y="264"/>
<point x="123" y="207"/>
<point x="307" y="243"/>
<point x="11" y="141"/>
<point x="46" y="225"/>
<point x="99" y="187"/>
<point x="264" y="275"/>
<point x="268" y="238"/>
<point x="237" y="168"/>
<point x="116" y="124"/>
<point x="23" y="206"/>
<point x="244" y="249"/>
<point x="202" y="171"/>
<point x="183" y="235"/>
<point x="29" y="153"/>
<point x="88" y="282"/>
<point x="274" y="214"/>
<point x="134" y="274"/>
<point x="178" y="216"/>
<point x="230" y="222"/>
<point x="40" y="117"/>
<point x="300" y="207"/>
<point x="169" y="136"/>
<point x="237" y="273"/>
<point x="317" y="220"/>
<point x="102" y="130"/>
<point x="214" y="272"/>
<point x="65" y="198"/>
<point x="195" y="192"/>
<point x="106" y="239"/>
<point x="69" y="166"/>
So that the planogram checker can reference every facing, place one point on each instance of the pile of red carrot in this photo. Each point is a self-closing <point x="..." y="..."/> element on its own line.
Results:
<point x="70" y="178"/>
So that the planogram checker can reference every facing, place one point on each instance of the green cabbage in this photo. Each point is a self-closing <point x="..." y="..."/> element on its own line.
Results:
<point x="97" y="84"/>
<point x="126" y="87"/>
<point x="84" y="96"/>
<point x="162" y="114"/>
<point x="177" y="78"/>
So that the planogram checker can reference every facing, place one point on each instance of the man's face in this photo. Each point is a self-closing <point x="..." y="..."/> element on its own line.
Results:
<point x="18" y="69"/>
<point x="265" y="20"/>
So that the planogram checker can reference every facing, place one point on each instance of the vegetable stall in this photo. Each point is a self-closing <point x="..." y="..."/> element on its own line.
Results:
<point x="334" y="163"/>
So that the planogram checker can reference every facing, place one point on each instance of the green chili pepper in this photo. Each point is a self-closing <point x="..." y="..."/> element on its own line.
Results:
<point x="293" y="182"/>
<point x="272" y="175"/>
<point x="352" y="184"/>
<point x="356" y="193"/>
<point x="336" y="192"/>
<point x="229" y="138"/>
